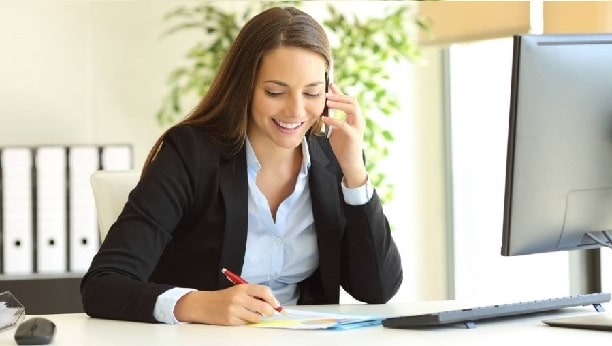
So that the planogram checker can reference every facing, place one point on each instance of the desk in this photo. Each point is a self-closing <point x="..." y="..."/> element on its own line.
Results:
<point x="79" y="329"/>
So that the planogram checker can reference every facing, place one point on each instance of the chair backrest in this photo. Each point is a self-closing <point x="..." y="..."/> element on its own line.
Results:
<point x="111" y="190"/>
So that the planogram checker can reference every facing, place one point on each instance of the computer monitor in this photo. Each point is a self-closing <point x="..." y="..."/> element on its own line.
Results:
<point x="558" y="194"/>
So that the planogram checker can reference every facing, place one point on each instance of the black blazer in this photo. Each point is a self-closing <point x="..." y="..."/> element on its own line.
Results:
<point x="187" y="218"/>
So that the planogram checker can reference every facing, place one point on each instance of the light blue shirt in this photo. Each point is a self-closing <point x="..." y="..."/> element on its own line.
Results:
<point x="278" y="254"/>
<point x="283" y="253"/>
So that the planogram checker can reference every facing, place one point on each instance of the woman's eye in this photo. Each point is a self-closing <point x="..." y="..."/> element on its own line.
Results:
<point x="273" y="93"/>
<point x="313" y="95"/>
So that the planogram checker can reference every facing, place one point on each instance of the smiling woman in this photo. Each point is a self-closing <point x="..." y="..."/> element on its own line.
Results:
<point x="285" y="106"/>
<point x="285" y="103"/>
<point x="246" y="182"/>
<point x="370" y="38"/>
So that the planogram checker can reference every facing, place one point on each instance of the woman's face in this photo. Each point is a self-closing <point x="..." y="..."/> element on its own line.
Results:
<point x="288" y="97"/>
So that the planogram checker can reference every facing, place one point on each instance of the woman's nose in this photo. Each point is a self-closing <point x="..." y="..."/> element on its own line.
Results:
<point x="296" y="106"/>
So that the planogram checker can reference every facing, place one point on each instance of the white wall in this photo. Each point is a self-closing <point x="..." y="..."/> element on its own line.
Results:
<point x="84" y="72"/>
<point x="93" y="72"/>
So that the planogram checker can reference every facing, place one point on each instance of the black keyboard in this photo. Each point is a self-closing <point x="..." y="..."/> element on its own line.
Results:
<point x="470" y="315"/>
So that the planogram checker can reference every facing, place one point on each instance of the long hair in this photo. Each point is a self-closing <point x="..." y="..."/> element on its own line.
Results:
<point x="223" y="112"/>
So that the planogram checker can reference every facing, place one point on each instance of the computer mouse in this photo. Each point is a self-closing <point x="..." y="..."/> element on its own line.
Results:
<point x="35" y="331"/>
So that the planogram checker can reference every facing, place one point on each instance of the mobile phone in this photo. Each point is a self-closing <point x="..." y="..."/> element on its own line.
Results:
<point x="325" y="109"/>
<point x="328" y="80"/>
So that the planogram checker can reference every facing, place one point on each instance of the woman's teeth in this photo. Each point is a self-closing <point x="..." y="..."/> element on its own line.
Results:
<point x="289" y="126"/>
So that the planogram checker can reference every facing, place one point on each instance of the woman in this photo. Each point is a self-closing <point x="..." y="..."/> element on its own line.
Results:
<point x="246" y="182"/>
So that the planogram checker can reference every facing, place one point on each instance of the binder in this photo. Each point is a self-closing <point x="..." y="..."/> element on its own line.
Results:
<point x="82" y="227"/>
<point x="116" y="157"/>
<point x="17" y="225"/>
<point x="51" y="210"/>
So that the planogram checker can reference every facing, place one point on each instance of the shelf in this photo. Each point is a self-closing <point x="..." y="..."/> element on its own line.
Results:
<point x="45" y="293"/>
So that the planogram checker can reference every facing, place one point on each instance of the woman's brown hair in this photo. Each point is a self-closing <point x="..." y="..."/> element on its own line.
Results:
<point x="223" y="111"/>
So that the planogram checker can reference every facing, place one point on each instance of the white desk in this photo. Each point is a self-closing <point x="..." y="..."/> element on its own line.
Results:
<point x="79" y="329"/>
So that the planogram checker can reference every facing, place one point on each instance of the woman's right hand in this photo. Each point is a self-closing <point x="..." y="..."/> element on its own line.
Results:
<point x="237" y="305"/>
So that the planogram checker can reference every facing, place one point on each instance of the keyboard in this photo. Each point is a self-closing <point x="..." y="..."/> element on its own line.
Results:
<point x="470" y="315"/>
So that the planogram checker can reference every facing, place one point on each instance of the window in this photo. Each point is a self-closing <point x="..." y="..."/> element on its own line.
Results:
<point x="479" y="93"/>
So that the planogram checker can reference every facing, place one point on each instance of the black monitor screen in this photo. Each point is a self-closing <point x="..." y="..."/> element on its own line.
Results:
<point x="559" y="161"/>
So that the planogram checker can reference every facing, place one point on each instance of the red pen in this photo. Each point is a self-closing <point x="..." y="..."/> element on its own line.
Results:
<point x="237" y="280"/>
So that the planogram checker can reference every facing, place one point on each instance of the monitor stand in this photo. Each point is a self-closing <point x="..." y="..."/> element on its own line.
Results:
<point x="591" y="262"/>
<point x="585" y="271"/>
<point x="600" y="321"/>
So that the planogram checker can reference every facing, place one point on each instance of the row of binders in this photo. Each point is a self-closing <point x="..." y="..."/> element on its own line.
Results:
<point x="48" y="220"/>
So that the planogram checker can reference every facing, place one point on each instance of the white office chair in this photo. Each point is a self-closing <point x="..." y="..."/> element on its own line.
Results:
<point x="110" y="190"/>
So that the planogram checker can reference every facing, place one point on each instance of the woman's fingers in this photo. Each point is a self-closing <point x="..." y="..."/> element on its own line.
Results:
<point x="336" y="100"/>
<point x="257" y="299"/>
<point x="237" y="305"/>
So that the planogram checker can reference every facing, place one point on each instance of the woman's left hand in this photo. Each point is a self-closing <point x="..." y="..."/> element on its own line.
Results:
<point x="346" y="138"/>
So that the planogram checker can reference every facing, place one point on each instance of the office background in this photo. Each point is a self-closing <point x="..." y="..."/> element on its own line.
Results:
<point x="93" y="72"/>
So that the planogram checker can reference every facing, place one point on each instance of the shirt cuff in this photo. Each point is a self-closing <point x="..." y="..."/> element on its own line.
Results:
<point x="358" y="195"/>
<point x="164" y="306"/>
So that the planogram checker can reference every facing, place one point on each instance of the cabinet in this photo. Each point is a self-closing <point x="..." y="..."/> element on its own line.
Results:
<point x="48" y="221"/>
<point x="45" y="294"/>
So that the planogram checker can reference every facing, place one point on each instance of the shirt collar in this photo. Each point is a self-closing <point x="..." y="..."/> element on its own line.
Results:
<point x="253" y="163"/>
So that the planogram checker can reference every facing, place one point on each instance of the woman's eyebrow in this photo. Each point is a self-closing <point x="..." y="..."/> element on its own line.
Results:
<point x="280" y="83"/>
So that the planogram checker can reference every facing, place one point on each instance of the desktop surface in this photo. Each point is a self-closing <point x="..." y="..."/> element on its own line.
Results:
<point x="79" y="329"/>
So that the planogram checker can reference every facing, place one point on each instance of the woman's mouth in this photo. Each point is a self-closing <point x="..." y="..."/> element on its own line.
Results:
<point x="287" y="125"/>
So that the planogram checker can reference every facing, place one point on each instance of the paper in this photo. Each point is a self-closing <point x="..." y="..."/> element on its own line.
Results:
<point x="11" y="311"/>
<point x="17" y="225"/>
<point x="116" y="157"/>
<point x="83" y="225"/>
<point x="299" y="319"/>
<point x="51" y="210"/>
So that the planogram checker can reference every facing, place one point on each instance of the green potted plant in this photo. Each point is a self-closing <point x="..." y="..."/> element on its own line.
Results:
<point x="366" y="45"/>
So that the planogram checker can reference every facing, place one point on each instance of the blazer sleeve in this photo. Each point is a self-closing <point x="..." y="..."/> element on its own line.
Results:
<point x="357" y="236"/>
<point x="116" y="285"/>
<point x="371" y="269"/>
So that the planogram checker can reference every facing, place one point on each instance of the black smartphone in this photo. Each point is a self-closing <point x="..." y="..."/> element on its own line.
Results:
<point x="326" y="109"/>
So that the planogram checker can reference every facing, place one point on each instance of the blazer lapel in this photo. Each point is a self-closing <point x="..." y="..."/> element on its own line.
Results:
<point x="234" y="189"/>
<point x="326" y="211"/>
<point x="327" y="217"/>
